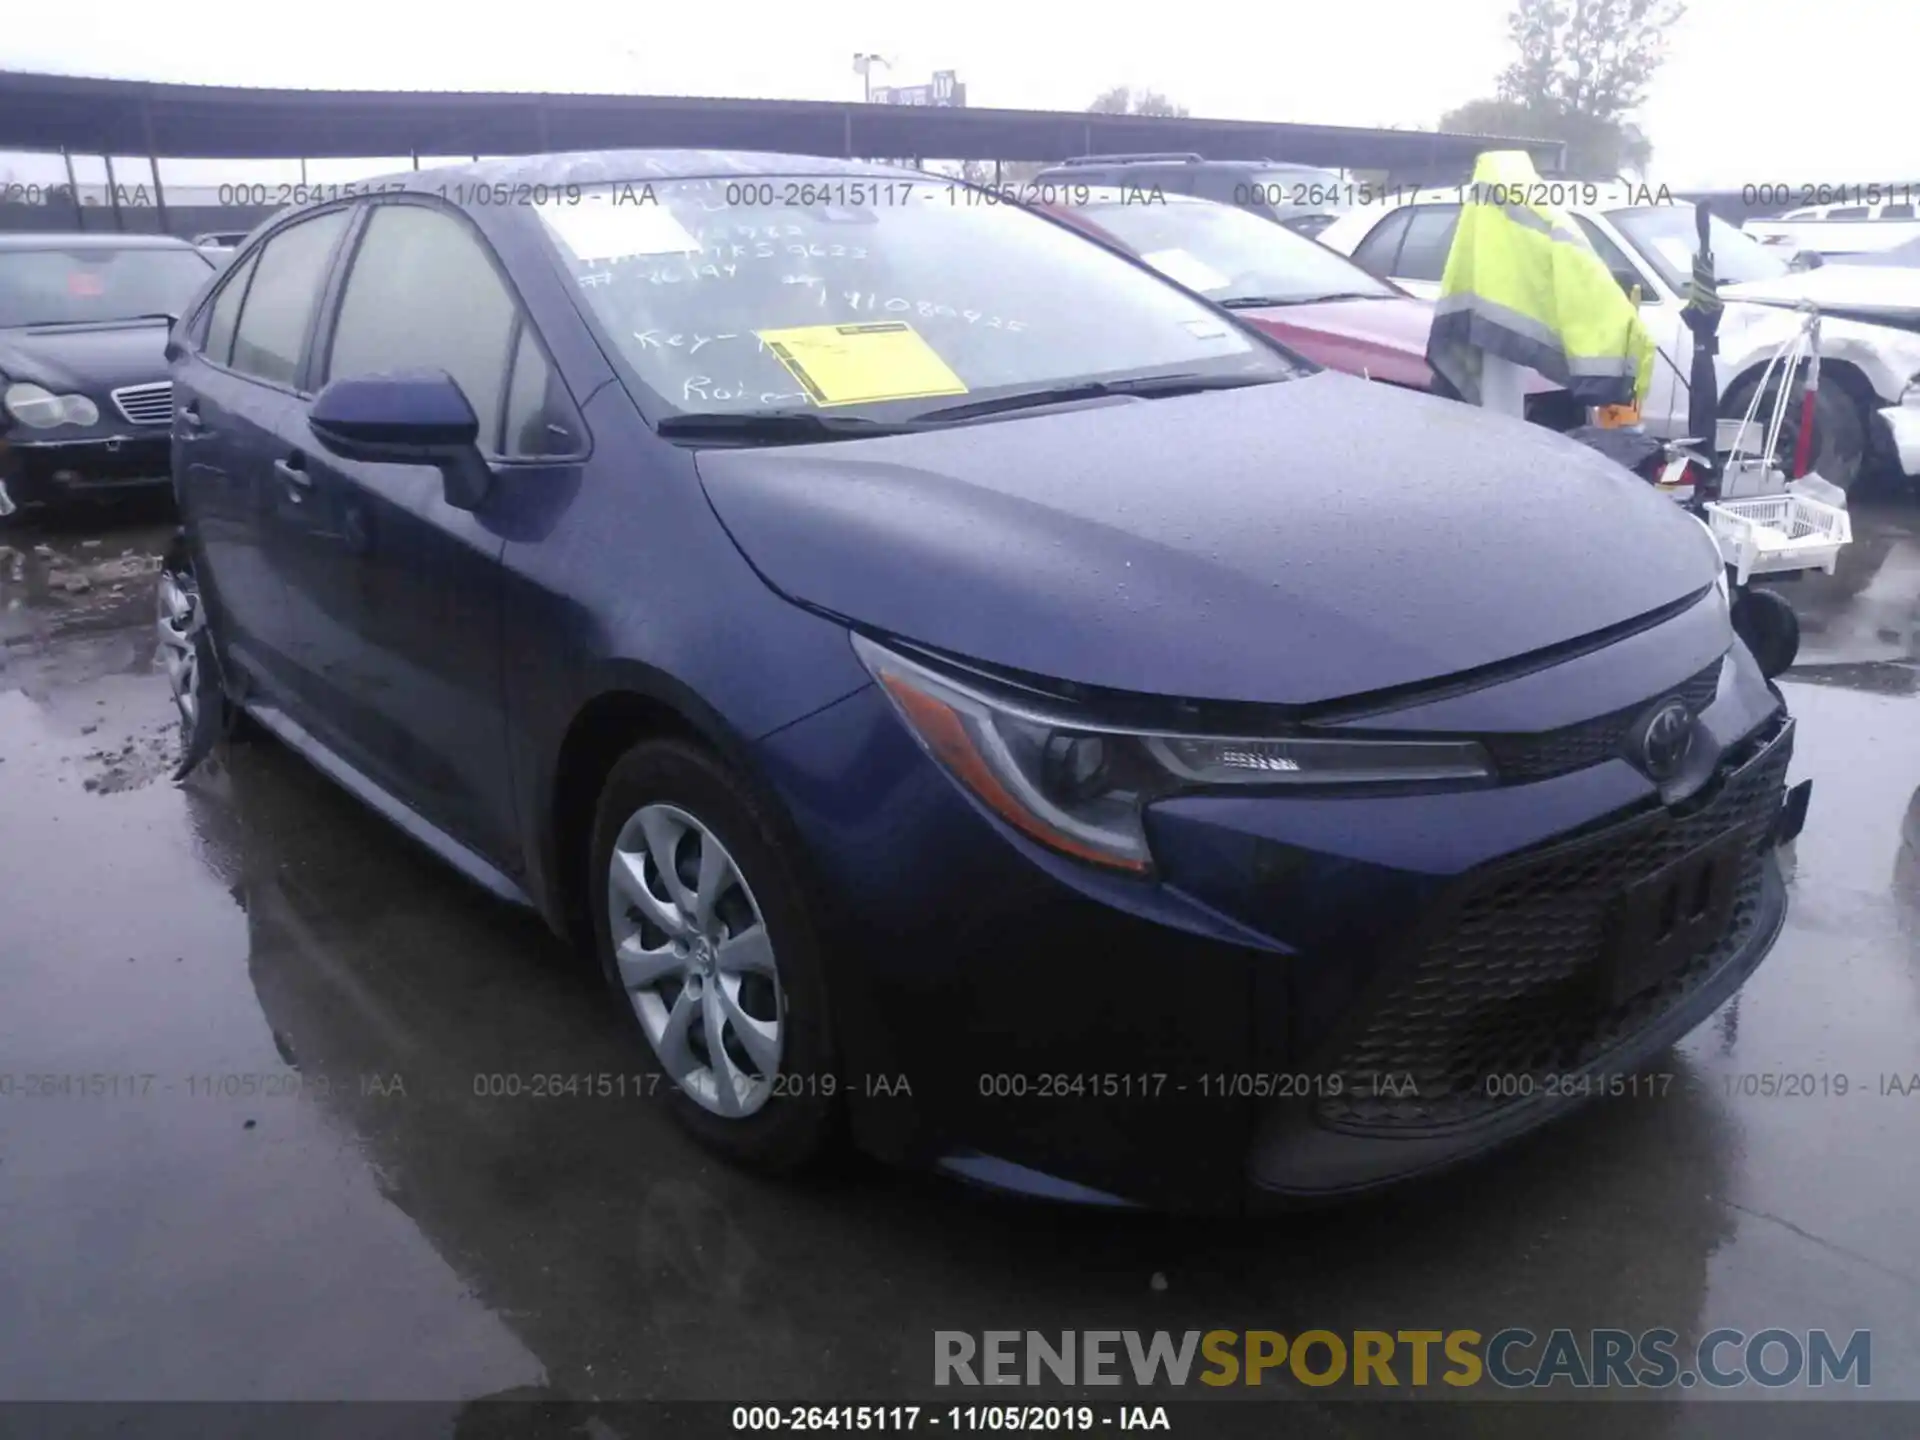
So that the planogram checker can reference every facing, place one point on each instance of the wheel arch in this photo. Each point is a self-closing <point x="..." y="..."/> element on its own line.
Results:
<point x="1840" y="368"/>
<point x="1842" y="373"/>
<point x="631" y="705"/>
<point x="182" y="555"/>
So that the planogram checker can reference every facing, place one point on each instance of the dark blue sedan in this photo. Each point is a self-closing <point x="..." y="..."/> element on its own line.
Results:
<point x="972" y="696"/>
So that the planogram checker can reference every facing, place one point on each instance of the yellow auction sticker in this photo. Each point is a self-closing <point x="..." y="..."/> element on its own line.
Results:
<point x="859" y="364"/>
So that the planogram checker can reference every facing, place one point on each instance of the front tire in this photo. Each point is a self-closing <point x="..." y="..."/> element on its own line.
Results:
<point x="702" y="932"/>
<point x="1839" y="426"/>
<point x="1770" y="628"/>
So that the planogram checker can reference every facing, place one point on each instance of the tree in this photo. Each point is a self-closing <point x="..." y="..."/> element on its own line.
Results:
<point x="1125" y="100"/>
<point x="1582" y="70"/>
<point x="1595" y="148"/>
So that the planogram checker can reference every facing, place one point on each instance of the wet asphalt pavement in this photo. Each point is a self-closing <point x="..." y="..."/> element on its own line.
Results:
<point x="308" y="1199"/>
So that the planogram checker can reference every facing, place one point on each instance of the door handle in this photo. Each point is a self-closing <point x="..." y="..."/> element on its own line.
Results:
<point x="190" y="420"/>
<point x="293" y="474"/>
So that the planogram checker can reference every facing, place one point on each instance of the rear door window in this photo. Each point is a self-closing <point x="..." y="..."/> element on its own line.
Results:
<point x="1611" y="255"/>
<point x="1897" y="212"/>
<point x="1849" y="212"/>
<point x="1423" y="253"/>
<point x="279" y="305"/>
<point x="225" y="316"/>
<point x="1380" y="251"/>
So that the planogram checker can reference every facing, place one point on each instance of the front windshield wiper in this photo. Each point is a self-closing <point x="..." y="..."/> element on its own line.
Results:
<point x="1275" y="302"/>
<point x="776" y="427"/>
<point x="1151" y="386"/>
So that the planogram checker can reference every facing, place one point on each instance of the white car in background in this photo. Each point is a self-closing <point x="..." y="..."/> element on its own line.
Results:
<point x="1869" y="328"/>
<point x="1842" y="229"/>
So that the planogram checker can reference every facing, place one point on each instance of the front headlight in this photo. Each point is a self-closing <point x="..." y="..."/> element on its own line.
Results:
<point x="1082" y="788"/>
<point x="1721" y="585"/>
<point x="40" y="409"/>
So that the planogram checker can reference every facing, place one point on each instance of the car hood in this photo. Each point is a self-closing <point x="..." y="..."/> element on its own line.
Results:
<point x="1281" y="544"/>
<point x="1380" y="339"/>
<point x="91" y="359"/>
<point x="1856" y="291"/>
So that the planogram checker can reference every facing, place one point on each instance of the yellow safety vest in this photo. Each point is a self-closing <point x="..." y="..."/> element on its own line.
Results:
<point x="1523" y="283"/>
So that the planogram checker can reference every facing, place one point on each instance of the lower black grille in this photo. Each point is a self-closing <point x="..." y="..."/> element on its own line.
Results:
<point x="40" y="472"/>
<point x="1522" y="758"/>
<point x="1505" y="986"/>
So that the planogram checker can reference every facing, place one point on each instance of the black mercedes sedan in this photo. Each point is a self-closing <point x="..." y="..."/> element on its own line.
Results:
<point x="85" y="403"/>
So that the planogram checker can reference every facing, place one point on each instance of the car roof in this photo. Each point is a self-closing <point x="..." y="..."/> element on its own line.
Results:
<point x="599" y="167"/>
<point x="89" y="240"/>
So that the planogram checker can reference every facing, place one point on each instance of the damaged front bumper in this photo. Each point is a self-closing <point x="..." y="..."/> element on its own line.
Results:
<point x="42" y="472"/>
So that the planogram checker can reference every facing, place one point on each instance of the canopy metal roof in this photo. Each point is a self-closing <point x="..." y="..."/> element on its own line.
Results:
<point x="91" y="115"/>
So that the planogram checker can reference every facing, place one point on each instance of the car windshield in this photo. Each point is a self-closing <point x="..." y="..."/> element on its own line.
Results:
<point x="768" y="293"/>
<point x="1228" y="254"/>
<point x="1665" y="236"/>
<point x="95" y="283"/>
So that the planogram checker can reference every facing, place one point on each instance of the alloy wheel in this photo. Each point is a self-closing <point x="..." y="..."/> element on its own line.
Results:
<point x="695" y="959"/>
<point x="178" y="622"/>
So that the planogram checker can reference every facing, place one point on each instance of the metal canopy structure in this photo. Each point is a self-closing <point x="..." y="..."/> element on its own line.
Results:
<point x="87" y="115"/>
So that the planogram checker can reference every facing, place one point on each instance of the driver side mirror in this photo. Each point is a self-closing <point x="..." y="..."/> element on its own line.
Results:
<point x="418" y="417"/>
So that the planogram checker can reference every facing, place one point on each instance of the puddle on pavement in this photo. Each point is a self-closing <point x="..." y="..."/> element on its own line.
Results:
<point x="1860" y="627"/>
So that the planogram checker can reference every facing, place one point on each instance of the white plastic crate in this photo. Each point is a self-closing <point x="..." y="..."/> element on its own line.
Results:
<point x="1768" y="534"/>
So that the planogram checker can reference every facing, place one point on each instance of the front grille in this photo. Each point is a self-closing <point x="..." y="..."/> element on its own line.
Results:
<point x="41" y="471"/>
<point x="1505" y="987"/>
<point x="146" y="404"/>
<point x="1523" y="758"/>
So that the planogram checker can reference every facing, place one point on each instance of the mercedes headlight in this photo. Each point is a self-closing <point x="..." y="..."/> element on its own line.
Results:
<point x="1082" y="788"/>
<point x="40" y="409"/>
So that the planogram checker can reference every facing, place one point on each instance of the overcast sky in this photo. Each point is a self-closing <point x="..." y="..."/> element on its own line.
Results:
<point x="1755" y="91"/>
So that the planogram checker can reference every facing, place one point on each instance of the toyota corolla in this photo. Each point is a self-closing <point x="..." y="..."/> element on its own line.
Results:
<point x="971" y="696"/>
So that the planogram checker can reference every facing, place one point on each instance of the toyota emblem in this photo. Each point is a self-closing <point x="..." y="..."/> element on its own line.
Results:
<point x="1667" y="739"/>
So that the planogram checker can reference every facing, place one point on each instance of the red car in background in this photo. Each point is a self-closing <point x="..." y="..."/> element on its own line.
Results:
<point x="1312" y="299"/>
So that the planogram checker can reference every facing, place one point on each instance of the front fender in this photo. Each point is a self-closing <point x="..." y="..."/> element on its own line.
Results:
<point x="1888" y="358"/>
<point x="1885" y="358"/>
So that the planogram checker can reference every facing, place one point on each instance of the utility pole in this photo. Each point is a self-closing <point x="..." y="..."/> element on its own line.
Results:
<point x="863" y="67"/>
